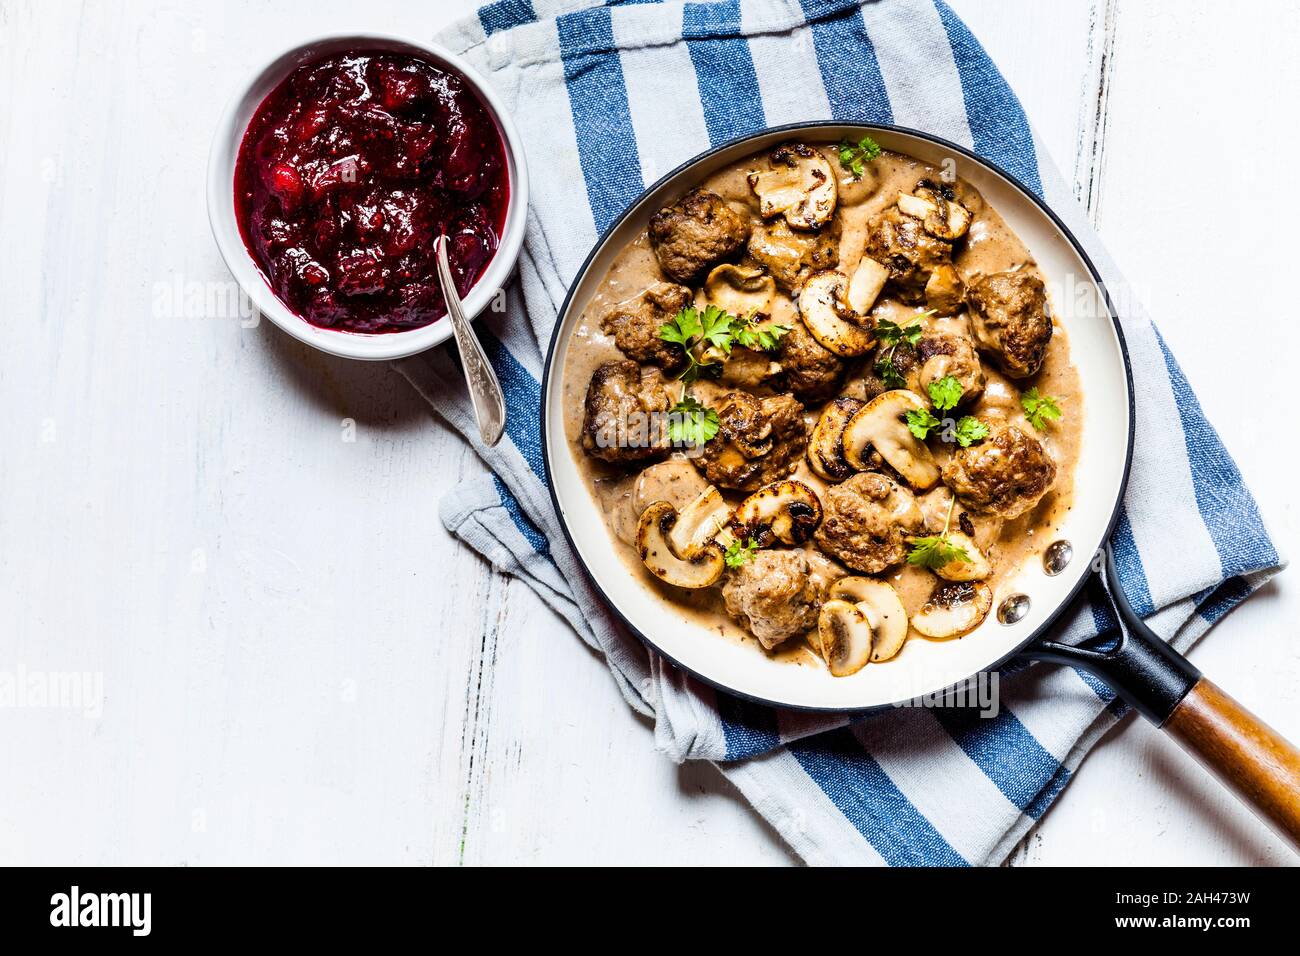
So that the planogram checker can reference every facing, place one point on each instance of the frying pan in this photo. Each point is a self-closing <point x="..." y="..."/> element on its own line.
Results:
<point x="1246" y="755"/>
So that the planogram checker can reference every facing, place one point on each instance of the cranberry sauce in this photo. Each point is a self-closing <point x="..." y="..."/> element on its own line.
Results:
<point x="349" y="171"/>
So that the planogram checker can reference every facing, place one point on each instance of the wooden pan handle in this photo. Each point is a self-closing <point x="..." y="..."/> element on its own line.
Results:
<point x="1247" y="755"/>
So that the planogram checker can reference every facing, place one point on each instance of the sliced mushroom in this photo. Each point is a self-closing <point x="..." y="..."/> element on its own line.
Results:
<point x="740" y="290"/>
<point x="652" y="532"/>
<point x="944" y="292"/>
<point x="844" y="637"/>
<point x="828" y="316"/>
<point x="955" y="608"/>
<point x="940" y="214"/>
<point x="798" y="184"/>
<point x="914" y="206"/>
<point x="748" y="369"/>
<point x="868" y="280"/>
<point x="976" y="569"/>
<point x="826" y="446"/>
<point x="883" y="609"/>
<point x="947" y="219"/>
<point x="882" y="425"/>
<point x="787" y="511"/>
<point x="699" y="523"/>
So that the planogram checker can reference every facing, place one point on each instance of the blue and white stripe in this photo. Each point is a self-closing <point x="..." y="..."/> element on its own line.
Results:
<point x="609" y="97"/>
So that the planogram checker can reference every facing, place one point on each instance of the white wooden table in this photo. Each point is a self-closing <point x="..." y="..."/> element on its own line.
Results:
<point x="240" y="534"/>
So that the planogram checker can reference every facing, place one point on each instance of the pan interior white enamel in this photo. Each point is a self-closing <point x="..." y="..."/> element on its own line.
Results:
<point x="924" y="666"/>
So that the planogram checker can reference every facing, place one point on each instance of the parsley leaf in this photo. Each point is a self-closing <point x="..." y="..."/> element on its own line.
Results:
<point x="684" y="329"/>
<point x="934" y="552"/>
<point x="690" y="330"/>
<point x="889" y="373"/>
<point x="737" y="553"/>
<point x="945" y="393"/>
<point x="890" y="334"/>
<point x="761" y="338"/>
<point x="970" y="430"/>
<point x="920" y="421"/>
<point x="716" y="328"/>
<point x="691" y="423"/>
<point x="1039" y="408"/>
<point x="855" y="156"/>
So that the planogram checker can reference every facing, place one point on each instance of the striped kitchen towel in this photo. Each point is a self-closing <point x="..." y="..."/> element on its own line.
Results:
<point x="610" y="97"/>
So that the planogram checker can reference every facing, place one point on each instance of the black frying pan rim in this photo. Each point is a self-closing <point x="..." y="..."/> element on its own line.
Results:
<point x="548" y="369"/>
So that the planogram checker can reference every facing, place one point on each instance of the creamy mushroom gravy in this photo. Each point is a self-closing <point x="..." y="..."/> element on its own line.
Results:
<point x="989" y="247"/>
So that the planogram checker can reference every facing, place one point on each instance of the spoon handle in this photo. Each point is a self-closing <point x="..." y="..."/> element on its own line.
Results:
<point x="484" y="389"/>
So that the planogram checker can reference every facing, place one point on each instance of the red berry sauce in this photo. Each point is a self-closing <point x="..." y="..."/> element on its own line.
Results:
<point x="349" y="171"/>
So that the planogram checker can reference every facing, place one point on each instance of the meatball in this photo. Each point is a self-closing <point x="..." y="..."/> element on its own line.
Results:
<point x="696" y="233"/>
<point x="900" y="243"/>
<point x="621" y="423"/>
<point x="777" y="594"/>
<point x="812" y="371"/>
<point x="1005" y="475"/>
<point x="791" y="257"/>
<point x="1012" y="321"/>
<point x="636" y="328"/>
<point x="947" y="349"/>
<point x="867" y="522"/>
<point x="759" y="440"/>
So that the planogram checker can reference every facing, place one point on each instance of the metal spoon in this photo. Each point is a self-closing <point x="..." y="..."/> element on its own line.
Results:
<point x="484" y="389"/>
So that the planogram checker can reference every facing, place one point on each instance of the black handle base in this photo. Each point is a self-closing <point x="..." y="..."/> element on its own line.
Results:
<point x="1143" y="669"/>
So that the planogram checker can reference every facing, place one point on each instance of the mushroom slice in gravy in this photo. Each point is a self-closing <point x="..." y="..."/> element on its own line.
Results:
<point x="884" y="612"/>
<point x="954" y="609"/>
<point x="843" y="637"/>
<point x="652" y="539"/>
<point x="798" y="184"/>
<point x="882" y="425"/>
<point x="824" y="306"/>
<point x="787" y="511"/>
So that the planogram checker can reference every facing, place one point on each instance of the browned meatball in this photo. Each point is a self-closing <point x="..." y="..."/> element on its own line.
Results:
<point x="900" y="243"/>
<point x="947" y="349"/>
<point x="812" y="371"/>
<point x="636" y="327"/>
<point x="620" y="424"/>
<point x="1012" y="321"/>
<point x="1005" y="475"/>
<point x="759" y="440"/>
<point x="778" y="593"/>
<point x="696" y="233"/>
<point x="791" y="256"/>
<point x="867" y="522"/>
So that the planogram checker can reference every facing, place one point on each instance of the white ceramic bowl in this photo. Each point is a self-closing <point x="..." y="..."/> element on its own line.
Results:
<point x="225" y="228"/>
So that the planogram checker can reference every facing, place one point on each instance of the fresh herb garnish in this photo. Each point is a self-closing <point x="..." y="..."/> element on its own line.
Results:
<point x="934" y="551"/>
<point x="970" y="430"/>
<point x="760" y="338"/>
<point x="704" y="335"/>
<point x="691" y="423"/>
<point x="1039" y="408"/>
<point x="945" y="393"/>
<point x="891" y="335"/>
<point x="889" y="374"/>
<point x="694" y="331"/>
<point x="965" y="431"/>
<point x="855" y="156"/>
<point x="737" y="553"/>
<point x="920" y="422"/>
